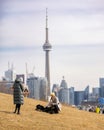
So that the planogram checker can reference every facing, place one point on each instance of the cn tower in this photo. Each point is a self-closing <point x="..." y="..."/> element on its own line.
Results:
<point x="47" y="47"/>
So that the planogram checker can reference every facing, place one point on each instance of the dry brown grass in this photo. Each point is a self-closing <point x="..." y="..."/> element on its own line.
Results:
<point x="29" y="119"/>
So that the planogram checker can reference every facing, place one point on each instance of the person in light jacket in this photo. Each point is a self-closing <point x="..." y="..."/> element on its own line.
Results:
<point x="54" y="101"/>
<point x="18" y="96"/>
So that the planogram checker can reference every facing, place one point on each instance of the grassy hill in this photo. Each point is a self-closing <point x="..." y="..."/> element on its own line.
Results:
<point x="29" y="119"/>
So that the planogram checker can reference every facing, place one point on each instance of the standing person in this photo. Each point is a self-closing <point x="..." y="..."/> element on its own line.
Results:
<point x="54" y="103"/>
<point x="18" y="94"/>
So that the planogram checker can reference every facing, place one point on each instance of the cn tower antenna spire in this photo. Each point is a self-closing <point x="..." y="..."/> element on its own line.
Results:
<point x="47" y="41"/>
<point x="46" y="17"/>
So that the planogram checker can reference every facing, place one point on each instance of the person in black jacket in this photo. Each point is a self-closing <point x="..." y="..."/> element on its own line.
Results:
<point x="18" y="96"/>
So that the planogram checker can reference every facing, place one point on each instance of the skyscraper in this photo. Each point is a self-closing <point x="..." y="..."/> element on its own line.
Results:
<point x="101" y="81"/>
<point x="47" y="47"/>
<point x="37" y="87"/>
<point x="10" y="74"/>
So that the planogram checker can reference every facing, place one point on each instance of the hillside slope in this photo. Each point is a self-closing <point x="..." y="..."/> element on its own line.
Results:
<point x="29" y="119"/>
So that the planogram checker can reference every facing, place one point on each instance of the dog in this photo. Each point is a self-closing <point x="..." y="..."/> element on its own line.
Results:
<point x="51" y="110"/>
<point x="39" y="107"/>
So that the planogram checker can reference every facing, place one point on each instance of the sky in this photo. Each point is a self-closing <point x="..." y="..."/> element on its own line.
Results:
<point x="76" y="29"/>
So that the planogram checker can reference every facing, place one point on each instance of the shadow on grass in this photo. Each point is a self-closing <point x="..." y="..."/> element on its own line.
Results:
<point x="7" y="112"/>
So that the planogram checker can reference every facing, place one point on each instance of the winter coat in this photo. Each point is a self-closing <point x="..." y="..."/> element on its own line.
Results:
<point x="18" y="93"/>
<point x="54" y="101"/>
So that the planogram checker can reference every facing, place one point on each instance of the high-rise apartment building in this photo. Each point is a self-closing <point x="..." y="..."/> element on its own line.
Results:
<point x="101" y="82"/>
<point x="10" y="74"/>
<point x="64" y="92"/>
<point x="37" y="87"/>
<point x="43" y="88"/>
<point x="96" y="92"/>
<point x="71" y="95"/>
<point x="79" y="97"/>
<point x="86" y="93"/>
<point x="55" y="89"/>
<point x="63" y="83"/>
<point x="64" y="95"/>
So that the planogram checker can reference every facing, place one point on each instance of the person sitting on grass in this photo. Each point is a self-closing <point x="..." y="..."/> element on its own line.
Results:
<point x="52" y="107"/>
<point x="54" y="103"/>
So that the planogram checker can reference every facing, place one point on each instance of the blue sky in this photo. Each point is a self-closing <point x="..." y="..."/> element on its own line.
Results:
<point x="76" y="26"/>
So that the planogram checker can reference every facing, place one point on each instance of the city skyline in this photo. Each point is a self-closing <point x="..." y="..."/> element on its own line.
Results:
<point x="75" y="30"/>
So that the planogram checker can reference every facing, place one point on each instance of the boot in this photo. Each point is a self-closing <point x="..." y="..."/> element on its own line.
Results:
<point x="15" y="109"/>
<point x="18" y="109"/>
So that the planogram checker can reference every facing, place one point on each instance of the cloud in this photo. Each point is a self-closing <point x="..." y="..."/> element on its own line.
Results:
<point x="11" y="6"/>
<point x="70" y="22"/>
